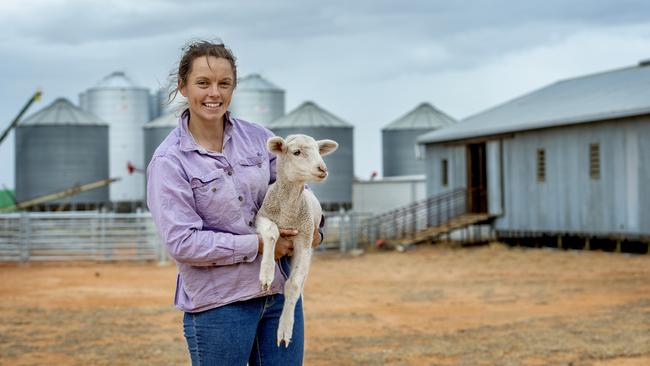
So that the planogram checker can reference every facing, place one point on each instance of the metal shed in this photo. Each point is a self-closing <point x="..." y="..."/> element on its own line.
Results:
<point x="569" y="159"/>
<point x="312" y="120"/>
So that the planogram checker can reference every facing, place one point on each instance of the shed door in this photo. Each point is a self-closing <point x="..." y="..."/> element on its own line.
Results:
<point x="476" y="178"/>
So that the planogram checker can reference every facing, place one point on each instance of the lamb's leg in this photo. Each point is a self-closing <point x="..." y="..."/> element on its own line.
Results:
<point x="302" y="252"/>
<point x="269" y="232"/>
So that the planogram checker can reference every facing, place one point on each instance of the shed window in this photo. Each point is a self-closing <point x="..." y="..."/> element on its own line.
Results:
<point x="541" y="165"/>
<point x="594" y="161"/>
<point x="444" y="174"/>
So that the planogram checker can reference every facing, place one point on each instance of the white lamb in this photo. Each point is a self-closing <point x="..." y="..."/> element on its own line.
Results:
<point x="288" y="204"/>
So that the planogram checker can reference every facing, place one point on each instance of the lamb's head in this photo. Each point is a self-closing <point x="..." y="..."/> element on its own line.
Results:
<point x="300" y="157"/>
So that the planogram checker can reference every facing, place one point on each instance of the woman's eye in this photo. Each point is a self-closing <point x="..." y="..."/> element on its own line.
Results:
<point x="296" y="153"/>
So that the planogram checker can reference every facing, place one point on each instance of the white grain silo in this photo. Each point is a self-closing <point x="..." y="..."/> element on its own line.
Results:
<point x="399" y="139"/>
<point x="125" y="106"/>
<point x="57" y="148"/>
<point x="318" y="123"/>
<point x="257" y="100"/>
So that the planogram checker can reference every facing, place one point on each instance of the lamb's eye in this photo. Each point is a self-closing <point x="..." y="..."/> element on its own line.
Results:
<point x="296" y="153"/>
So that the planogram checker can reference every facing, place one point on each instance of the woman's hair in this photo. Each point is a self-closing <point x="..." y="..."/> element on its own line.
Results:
<point x="192" y="51"/>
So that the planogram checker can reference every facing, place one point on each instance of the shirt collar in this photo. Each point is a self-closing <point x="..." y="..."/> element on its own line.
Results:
<point x="187" y="142"/>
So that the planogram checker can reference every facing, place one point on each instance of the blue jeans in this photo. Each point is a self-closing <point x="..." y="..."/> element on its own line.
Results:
<point x="241" y="332"/>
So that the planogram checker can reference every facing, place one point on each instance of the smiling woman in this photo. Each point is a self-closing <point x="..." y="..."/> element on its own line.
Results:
<point x="206" y="182"/>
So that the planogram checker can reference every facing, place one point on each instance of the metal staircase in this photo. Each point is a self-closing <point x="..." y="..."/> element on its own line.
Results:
<point x="425" y="220"/>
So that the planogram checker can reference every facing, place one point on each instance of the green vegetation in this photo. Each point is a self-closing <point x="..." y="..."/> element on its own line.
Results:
<point x="6" y="199"/>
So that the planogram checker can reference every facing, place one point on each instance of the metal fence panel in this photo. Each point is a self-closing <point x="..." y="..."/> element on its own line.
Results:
<point x="90" y="236"/>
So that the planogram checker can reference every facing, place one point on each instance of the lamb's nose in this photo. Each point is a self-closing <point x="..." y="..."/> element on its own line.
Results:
<point x="322" y="168"/>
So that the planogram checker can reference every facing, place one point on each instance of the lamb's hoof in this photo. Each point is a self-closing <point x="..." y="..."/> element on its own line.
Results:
<point x="284" y="335"/>
<point x="285" y="341"/>
<point x="266" y="277"/>
<point x="266" y="285"/>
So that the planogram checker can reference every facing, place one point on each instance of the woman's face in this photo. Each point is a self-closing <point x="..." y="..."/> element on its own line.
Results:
<point x="209" y="88"/>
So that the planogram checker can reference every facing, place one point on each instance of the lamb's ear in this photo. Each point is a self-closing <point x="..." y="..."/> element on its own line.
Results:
<point x="327" y="146"/>
<point x="276" y="145"/>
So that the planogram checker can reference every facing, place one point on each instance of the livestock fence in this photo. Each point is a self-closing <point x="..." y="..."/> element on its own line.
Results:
<point x="105" y="236"/>
<point x="82" y="236"/>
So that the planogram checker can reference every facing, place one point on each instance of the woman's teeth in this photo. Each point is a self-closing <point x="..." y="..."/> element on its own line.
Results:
<point x="213" y="105"/>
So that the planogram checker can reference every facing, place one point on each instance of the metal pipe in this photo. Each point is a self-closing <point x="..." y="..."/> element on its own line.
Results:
<point x="13" y="124"/>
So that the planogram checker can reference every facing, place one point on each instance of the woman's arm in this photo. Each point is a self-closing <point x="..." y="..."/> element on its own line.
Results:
<point x="171" y="202"/>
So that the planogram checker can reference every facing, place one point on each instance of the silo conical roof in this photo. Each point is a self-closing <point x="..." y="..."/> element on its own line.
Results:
<point x="424" y="116"/>
<point x="116" y="80"/>
<point x="308" y="115"/>
<point x="62" y="112"/>
<point x="255" y="82"/>
<point x="166" y="120"/>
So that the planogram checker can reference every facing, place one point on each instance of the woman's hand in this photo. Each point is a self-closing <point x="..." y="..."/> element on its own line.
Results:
<point x="284" y="245"/>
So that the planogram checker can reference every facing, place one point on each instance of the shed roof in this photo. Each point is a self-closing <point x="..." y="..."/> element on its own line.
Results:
<point x="612" y="94"/>
<point x="308" y="114"/>
<point x="62" y="112"/>
<point x="423" y="117"/>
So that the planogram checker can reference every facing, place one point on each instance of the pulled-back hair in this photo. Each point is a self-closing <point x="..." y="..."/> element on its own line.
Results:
<point x="192" y="51"/>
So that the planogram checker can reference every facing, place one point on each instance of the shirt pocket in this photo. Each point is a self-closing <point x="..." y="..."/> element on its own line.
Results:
<point x="216" y="199"/>
<point x="256" y="175"/>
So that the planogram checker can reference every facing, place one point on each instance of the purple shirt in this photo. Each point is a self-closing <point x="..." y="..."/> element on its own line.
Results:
<point x="204" y="205"/>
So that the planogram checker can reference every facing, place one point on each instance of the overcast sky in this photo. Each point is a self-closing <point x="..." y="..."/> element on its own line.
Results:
<point x="368" y="62"/>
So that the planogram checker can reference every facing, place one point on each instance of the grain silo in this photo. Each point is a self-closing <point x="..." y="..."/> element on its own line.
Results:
<point x="399" y="146"/>
<point x="125" y="106"/>
<point x="257" y="100"/>
<point x="314" y="121"/>
<point x="155" y="132"/>
<point x="57" y="148"/>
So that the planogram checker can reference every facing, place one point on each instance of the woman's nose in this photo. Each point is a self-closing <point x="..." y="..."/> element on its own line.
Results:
<point x="213" y="90"/>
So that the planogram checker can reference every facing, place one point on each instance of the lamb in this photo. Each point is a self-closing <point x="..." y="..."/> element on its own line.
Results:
<point x="288" y="204"/>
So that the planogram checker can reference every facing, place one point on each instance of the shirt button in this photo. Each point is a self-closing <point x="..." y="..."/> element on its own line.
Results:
<point x="250" y="223"/>
<point x="214" y="264"/>
<point x="259" y="165"/>
<point x="214" y="189"/>
<point x="245" y="258"/>
<point x="230" y="172"/>
<point x="240" y="198"/>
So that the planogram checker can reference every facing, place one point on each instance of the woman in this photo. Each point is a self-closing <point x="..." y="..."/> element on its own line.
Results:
<point x="206" y="181"/>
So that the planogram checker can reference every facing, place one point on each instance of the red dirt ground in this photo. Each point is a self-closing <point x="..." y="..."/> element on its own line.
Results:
<point x="434" y="305"/>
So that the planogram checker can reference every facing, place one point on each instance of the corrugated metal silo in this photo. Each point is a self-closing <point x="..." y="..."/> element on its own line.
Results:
<point x="125" y="106"/>
<point x="59" y="147"/>
<point x="399" y="139"/>
<point x="155" y="132"/>
<point x="310" y="119"/>
<point x="257" y="100"/>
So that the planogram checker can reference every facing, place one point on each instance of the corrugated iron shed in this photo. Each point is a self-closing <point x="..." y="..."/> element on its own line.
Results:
<point x="613" y="94"/>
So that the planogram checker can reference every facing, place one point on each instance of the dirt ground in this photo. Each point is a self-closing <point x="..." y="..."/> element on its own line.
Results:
<point x="433" y="305"/>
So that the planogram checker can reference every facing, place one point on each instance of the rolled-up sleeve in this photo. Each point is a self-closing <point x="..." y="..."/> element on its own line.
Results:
<point x="172" y="206"/>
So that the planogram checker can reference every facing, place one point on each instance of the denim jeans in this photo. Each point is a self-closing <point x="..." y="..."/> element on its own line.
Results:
<point x="244" y="331"/>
